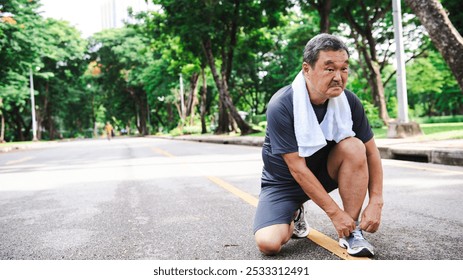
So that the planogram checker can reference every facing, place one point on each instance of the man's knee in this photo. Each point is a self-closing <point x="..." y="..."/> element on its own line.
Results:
<point x="349" y="152"/>
<point x="268" y="245"/>
<point x="270" y="239"/>
<point x="352" y="150"/>
<point x="352" y="146"/>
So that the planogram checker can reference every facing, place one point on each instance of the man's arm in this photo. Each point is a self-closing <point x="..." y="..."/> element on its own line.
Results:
<point x="343" y="222"/>
<point x="371" y="217"/>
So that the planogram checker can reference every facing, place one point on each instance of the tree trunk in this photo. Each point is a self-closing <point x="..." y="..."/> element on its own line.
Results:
<point x="192" y="99"/>
<point x="203" y="102"/>
<point x="324" y="11"/>
<point x="222" y="122"/>
<point x="140" y="99"/>
<point x="227" y="103"/>
<point x="19" y="125"/>
<point x="377" y="90"/>
<point x="324" y="8"/>
<point x="143" y="112"/>
<point x="442" y="33"/>
<point x="2" y="127"/>
<point x="366" y="38"/>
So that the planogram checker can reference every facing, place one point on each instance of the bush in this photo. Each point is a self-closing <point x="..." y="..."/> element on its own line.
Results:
<point x="372" y="115"/>
<point x="257" y="119"/>
<point x="175" y="132"/>
<point x="191" y="130"/>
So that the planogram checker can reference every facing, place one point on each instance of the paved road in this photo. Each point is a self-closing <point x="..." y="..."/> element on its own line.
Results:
<point x="147" y="198"/>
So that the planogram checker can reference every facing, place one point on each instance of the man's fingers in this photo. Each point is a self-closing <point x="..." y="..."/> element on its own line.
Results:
<point x="370" y="227"/>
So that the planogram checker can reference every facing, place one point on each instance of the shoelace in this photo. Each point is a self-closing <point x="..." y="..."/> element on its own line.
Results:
<point x="357" y="233"/>
<point x="298" y="216"/>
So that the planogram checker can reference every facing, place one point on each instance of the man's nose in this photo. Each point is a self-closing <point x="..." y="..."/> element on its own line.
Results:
<point x="337" y="76"/>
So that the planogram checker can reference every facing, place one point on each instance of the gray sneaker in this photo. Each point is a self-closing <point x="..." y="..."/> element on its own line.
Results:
<point x="357" y="245"/>
<point x="301" y="225"/>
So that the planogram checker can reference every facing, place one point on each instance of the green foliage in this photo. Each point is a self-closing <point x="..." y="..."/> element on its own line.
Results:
<point x="372" y="114"/>
<point x="131" y="75"/>
<point x="432" y="90"/>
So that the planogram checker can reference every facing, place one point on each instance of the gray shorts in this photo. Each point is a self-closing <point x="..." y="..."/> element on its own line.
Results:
<point x="277" y="203"/>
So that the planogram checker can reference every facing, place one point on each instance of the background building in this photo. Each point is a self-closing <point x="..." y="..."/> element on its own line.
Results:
<point x="114" y="12"/>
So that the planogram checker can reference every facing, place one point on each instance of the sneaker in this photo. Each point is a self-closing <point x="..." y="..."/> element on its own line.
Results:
<point x="301" y="225"/>
<point x="357" y="245"/>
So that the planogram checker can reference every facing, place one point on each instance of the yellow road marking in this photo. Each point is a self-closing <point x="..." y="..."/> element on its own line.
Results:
<point x="234" y="190"/>
<point x="314" y="235"/>
<point x="18" y="160"/>
<point x="162" y="152"/>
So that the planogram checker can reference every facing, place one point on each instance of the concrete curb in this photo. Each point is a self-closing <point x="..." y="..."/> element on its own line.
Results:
<point x="432" y="152"/>
<point x="447" y="152"/>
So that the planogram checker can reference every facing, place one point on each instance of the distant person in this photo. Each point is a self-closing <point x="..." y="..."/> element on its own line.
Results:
<point x="109" y="131"/>
<point x="318" y="139"/>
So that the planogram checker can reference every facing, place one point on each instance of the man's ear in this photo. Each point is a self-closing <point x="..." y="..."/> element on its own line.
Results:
<point x="306" y="68"/>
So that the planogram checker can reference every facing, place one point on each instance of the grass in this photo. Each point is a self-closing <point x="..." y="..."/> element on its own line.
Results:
<point x="6" y="144"/>
<point x="432" y="131"/>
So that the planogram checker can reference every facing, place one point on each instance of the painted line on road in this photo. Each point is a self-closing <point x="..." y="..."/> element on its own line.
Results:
<point x="234" y="190"/>
<point x="162" y="152"/>
<point x="314" y="235"/>
<point x="18" y="161"/>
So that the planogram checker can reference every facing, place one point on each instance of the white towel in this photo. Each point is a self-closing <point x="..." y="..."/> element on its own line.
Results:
<point x="310" y="135"/>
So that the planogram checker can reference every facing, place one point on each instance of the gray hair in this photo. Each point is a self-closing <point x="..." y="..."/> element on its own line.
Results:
<point x="322" y="42"/>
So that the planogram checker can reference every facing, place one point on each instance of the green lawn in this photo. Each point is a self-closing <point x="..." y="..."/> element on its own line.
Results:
<point x="432" y="131"/>
<point x="6" y="144"/>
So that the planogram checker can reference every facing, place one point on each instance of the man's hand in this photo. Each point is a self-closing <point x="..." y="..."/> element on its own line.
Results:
<point x="371" y="217"/>
<point x="343" y="223"/>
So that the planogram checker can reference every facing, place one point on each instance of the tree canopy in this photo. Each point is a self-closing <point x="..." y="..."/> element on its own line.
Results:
<point x="207" y="66"/>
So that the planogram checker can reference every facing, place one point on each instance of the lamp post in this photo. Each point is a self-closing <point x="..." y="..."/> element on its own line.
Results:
<point x="34" y="121"/>
<point x="402" y="127"/>
<point x="401" y="78"/>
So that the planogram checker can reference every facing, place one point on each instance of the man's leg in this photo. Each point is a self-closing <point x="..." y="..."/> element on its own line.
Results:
<point x="270" y="239"/>
<point x="347" y="164"/>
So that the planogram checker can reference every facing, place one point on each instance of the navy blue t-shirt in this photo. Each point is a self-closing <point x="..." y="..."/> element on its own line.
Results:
<point x="280" y="137"/>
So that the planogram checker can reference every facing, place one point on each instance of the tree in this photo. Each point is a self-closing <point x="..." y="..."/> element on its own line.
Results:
<point x="442" y="33"/>
<point x="59" y="84"/>
<point x="216" y="27"/>
<point x="20" y="48"/>
<point x="122" y="56"/>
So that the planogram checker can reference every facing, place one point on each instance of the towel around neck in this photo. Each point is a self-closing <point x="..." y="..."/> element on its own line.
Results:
<point x="310" y="135"/>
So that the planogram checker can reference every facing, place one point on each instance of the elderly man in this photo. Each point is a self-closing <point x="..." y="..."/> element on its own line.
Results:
<point x="318" y="139"/>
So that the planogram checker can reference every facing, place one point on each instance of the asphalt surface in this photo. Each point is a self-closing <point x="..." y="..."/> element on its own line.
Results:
<point x="151" y="198"/>
<point x="448" y="152"/>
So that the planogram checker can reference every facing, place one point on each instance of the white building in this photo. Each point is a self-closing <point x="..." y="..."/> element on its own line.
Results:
<point x="114" y="12"/>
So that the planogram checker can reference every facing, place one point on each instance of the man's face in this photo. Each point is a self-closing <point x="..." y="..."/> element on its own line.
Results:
<point x="328" y="78"/>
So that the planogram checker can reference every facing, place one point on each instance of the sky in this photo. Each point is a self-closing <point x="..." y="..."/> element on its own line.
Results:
<point x="85" y="15"/>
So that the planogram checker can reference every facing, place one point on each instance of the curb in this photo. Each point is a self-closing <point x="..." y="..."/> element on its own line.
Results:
<point x="408" y="150"/>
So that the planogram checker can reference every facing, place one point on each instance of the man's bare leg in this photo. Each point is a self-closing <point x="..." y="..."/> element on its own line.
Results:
<point x="347" y="164"/>
<point x="270" y="239"/>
